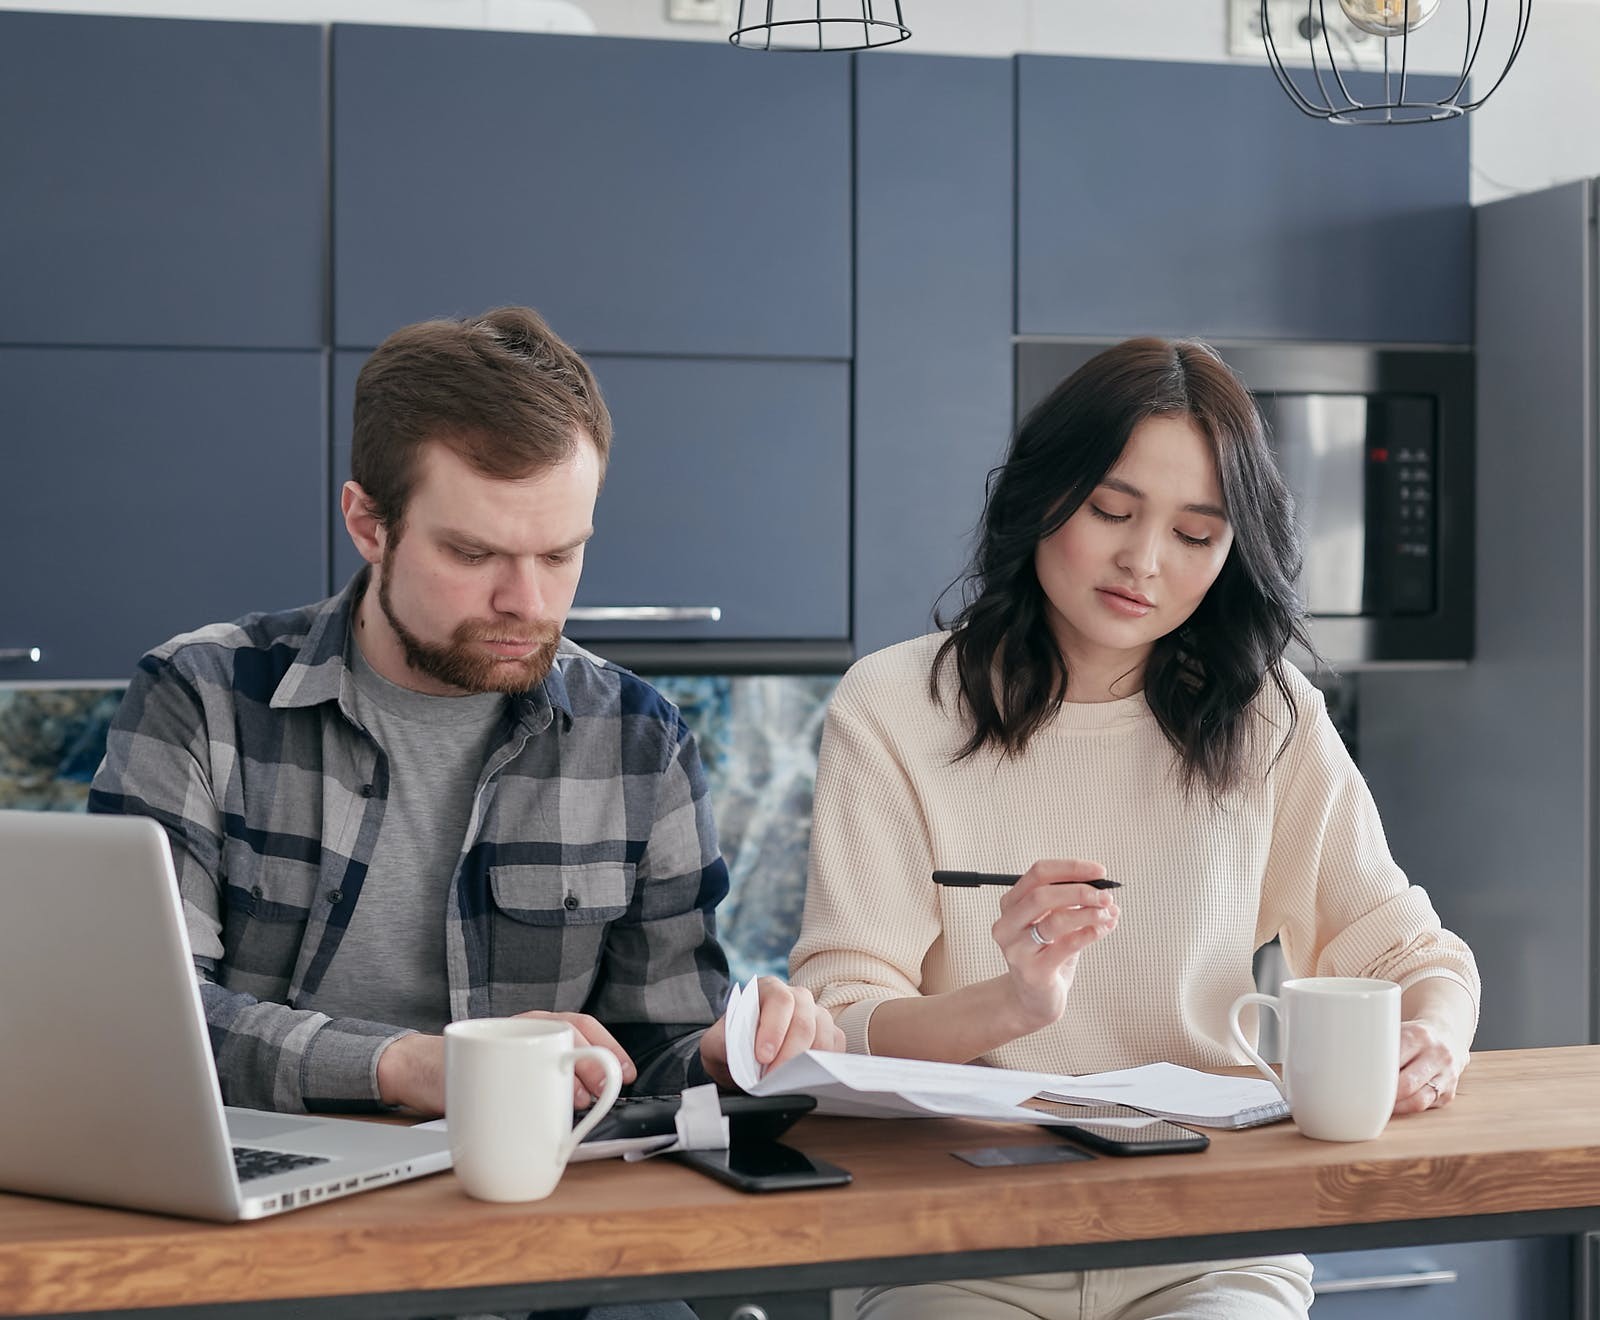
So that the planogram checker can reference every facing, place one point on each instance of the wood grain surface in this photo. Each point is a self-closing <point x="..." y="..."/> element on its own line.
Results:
<point x="1523" y="1135"/>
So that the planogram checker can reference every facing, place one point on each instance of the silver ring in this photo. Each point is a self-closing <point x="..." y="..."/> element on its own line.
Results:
<point x="1434" y="1087"/>
<point x="1039" y="939"/>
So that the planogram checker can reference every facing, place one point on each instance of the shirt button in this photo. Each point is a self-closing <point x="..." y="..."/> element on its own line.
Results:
<point x="335" y="896"/>
<point x="366" y="790"/>
<point x="570" y="902"/>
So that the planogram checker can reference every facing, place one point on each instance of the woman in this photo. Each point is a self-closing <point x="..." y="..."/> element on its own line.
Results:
<point x="1111" y="699"/>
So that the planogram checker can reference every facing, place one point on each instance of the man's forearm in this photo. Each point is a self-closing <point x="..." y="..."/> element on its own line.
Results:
<point x="271" y="1056"/>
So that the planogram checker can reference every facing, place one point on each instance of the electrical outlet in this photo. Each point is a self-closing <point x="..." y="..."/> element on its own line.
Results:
<point x="697" y="11"/>
<point x="1293" y="23"/>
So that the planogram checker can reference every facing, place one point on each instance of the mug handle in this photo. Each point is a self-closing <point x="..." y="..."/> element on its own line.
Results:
<point x="1266" y="1001"/>
<point x="602" y="1105"/>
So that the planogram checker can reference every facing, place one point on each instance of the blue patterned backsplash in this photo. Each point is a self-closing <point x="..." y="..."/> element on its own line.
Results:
<point x="758" y="739"/>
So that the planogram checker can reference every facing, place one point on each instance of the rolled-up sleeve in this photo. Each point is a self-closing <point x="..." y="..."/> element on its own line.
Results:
<point x="162" y="759"/>
<point x="1334" y="895"/>
<point x="870" y="915"/>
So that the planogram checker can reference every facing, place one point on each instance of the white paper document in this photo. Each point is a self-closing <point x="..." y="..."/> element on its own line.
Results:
<point x="867" y="1086"/>
<point x="1185" y="1095"/>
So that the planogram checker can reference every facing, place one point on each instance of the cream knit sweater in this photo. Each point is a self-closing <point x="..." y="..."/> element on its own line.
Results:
<point x="1297" y="852"/>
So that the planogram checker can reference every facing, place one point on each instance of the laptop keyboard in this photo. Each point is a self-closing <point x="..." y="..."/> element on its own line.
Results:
<point x="251" y="1163"/>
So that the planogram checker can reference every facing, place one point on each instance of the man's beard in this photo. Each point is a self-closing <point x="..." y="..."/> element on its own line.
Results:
<point x="461" y="664"/>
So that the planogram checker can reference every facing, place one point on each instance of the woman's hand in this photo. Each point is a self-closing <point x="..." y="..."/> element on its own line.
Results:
<point x="1430" y="1070"/>
<point x="1047" y="919"/>
<point x="1437" y="1021"/>
<point x="790" y="1023"/>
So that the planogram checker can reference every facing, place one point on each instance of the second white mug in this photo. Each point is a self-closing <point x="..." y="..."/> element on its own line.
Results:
<point x="508" y="1103"/>
<point x="1341" y="1052"/>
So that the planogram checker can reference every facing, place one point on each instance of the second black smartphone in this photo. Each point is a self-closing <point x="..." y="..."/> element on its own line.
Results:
<point x="763" y="1166"/>
<point x="1151" y="1136"/>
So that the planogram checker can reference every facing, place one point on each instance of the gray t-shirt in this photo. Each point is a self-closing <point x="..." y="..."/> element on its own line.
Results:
<point x="391" y="961"/>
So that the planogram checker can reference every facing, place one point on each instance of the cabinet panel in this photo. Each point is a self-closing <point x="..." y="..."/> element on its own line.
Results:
<point x="148" y="493"/>
<point x="763" y="1306"/>
<point x="933" y="315"/>
<point x="164" y="182"/>
<point x="646" y="197"/>
<point x="1529" y="1278"/>
<point x="728" y="486"/>
<point x="1171" y="198"/>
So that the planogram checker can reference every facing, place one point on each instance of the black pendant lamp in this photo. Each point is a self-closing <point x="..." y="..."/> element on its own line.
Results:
<point x="818" y="24"/>
<point x="1324" y="92"/>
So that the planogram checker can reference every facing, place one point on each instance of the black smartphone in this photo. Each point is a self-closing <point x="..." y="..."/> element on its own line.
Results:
<point x="1151" y="1136"/>
<point x="763" y="1166"/>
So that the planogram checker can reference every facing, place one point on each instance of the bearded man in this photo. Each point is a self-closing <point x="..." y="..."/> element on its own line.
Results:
<point x="417" y="801"/>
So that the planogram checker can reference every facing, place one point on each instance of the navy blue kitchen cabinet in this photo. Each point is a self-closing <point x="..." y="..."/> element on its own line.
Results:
<point x="728" y="487"/>
<point x="1173" y="198"/>
<point x="646" y="197"/>
<point x="1526" y="1278"/>
<point x="150" y="492"/>
<point x="163" y="182"/>
<point x="933" y="325"/>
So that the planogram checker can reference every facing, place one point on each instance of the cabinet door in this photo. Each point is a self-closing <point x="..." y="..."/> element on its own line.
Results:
<point x="147" y="493"/>
<point x="163" y="182"/>
<point x="933" y="308"/>
<point x="728" y="487"/>
<point x="645" y="196"/>
<point x="1528" y="1278"/>
<point x="1170" y="198"/>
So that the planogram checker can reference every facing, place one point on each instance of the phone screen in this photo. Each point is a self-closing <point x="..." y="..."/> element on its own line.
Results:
<point x="756" y="1166"/>
<point x="766" y="1159"/>
<point x="1128" y="1131"/>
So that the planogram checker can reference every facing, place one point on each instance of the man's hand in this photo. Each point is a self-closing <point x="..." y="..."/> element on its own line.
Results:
<point x="411" y="1070"/>
<point x="790" y="1024"/>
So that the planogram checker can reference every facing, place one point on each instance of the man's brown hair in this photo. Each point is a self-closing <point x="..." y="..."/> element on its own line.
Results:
<point x="502" y="390"/>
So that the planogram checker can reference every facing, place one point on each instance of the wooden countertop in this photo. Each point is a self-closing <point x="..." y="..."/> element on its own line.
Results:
<point x="1523" y="1135"/>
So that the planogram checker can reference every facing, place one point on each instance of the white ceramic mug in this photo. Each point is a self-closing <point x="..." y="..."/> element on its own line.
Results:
<point x="508" y="1103"/>
<point x="1341" y="1052"/>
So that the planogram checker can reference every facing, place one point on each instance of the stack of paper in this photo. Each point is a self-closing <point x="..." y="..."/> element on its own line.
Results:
<point x="870" y="1086"/>
<point x="867" y="1086"/>
<point x="1181" y="1094"/>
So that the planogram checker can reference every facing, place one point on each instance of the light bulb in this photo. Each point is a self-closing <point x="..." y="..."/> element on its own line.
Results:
<point x="1388" y="18"/>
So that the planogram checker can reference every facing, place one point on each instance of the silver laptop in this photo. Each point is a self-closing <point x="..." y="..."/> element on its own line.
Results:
<point x="107" y="1088"/>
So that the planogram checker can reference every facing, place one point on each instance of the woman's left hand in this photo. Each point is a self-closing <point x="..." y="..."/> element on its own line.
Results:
<point x="1430" y="1069"/>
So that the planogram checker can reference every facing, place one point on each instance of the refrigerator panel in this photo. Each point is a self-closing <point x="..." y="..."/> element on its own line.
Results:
<point x="1483" y="773"/>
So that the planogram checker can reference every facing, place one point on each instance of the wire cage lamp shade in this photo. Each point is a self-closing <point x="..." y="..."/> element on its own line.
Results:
<point x="818" y="24"/>
<point x="1325" y="92"/>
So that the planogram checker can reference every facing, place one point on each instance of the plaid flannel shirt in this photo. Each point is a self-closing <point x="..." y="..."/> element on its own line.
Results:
<point x="587" y="882"/>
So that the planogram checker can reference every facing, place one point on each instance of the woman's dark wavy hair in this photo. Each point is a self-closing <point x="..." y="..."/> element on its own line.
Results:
<point x="1200" y="678"/>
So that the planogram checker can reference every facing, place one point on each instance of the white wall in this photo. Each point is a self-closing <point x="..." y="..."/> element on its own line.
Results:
<point x="1539" y="129"/>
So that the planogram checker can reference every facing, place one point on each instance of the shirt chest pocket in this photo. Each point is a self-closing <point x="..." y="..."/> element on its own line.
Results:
<point x="278" y="888"/>
<point x="540" y="894"/>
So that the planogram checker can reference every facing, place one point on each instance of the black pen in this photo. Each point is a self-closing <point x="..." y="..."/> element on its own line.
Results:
<point x="972" y="879"/>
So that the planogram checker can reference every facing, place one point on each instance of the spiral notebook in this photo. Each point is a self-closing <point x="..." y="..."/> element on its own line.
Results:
<point x="1184" y="1095"/>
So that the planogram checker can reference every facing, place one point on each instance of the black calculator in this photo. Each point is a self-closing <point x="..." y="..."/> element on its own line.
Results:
<point x="750" y="1117"/>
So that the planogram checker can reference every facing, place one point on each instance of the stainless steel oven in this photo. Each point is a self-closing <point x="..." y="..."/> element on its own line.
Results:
<point x="1377" y="446"/>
